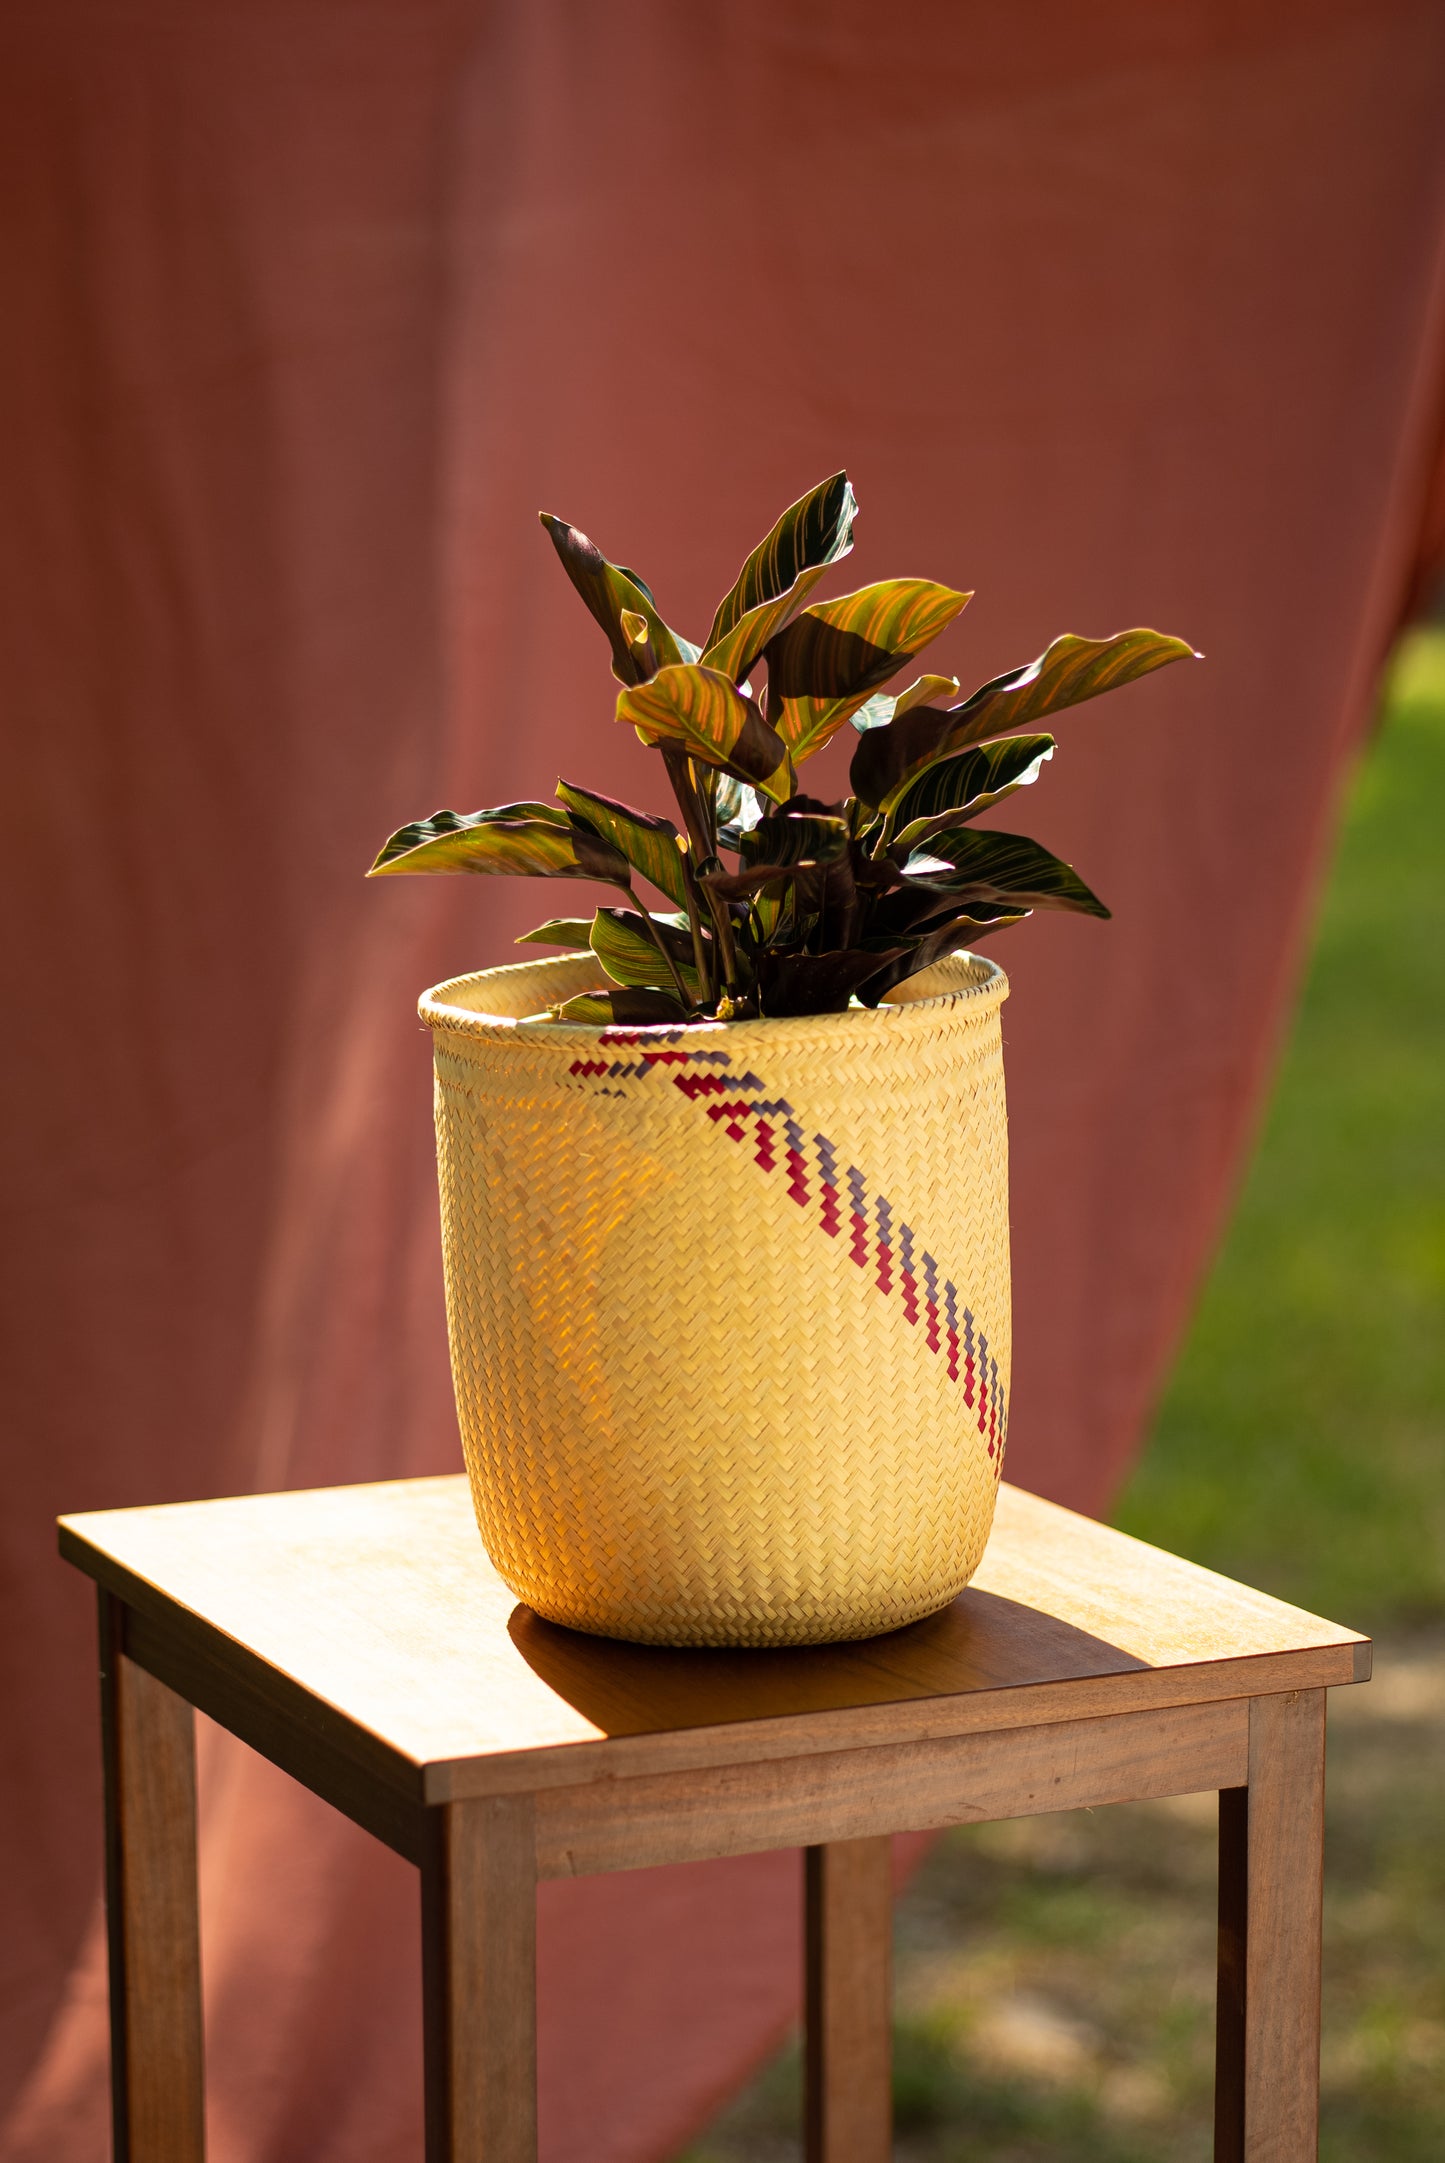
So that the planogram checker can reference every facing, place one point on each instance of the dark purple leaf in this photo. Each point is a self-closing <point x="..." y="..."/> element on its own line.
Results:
<point x="935" y="945"/>
<point x="611" y="592"/>
<point x="814" y="983"/>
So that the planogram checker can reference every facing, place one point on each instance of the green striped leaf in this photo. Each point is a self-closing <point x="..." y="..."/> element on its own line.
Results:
<point x="534" y="839"/>
<point x="1065" y="674"/>
<point x="781" y="571"/>
<point x="703" y="711"/>
<point x="978" y="864"/>
<point x="923" y="691"/>
<point x="960" y="787"/>
<point x="649" y="844"/>
<point x="409" y="837"/>
<point x="623" y="1009"/>
<point x="823" y="665"/>
<point x="736" y="653"/>
<point x="613" y="594"/>
<point x="619" y="939"/>
<point x="876" y="712"/>
<point x="573" y="931"/>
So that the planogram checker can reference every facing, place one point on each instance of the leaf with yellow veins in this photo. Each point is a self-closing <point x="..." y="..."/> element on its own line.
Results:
<point x="823" y="665"/>
<point x="704" y="711"/>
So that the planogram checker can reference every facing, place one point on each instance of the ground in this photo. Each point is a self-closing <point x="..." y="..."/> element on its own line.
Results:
<point x="1055" y="1975"/>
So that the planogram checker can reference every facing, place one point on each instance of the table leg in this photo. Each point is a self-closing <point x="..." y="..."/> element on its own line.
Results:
<point x="848" y="2000"/>
<point x="1271" y="1861"/>
<point x="479" y="1981"/>
<point x="152" y="1915"/>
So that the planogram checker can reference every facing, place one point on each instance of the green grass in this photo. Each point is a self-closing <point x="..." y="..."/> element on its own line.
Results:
<point x="1055" y="1975"/>
<point x="1301" y="1444"/>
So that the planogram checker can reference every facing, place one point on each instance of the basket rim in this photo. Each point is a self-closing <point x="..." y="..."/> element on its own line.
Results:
<point x="439" y="1008"/>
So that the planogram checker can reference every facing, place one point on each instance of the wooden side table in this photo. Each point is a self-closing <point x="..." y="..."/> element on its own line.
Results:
<point x="358" y="1637"/>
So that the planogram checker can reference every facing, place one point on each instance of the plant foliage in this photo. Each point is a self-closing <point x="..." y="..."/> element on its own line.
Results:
<point x="824" y="903"/>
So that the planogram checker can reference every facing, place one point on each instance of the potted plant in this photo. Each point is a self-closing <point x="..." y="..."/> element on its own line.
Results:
<point x="724" y="1184"/>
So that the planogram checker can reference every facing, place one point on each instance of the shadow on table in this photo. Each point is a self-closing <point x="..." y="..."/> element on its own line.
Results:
<point x="980" y="1642"/>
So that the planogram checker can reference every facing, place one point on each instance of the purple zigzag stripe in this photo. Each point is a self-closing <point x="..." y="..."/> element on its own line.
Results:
<point x="828" y="1182"/>
<point x="858" y="1195"/>
<point x="885" y="1249"/>
<point x="910" y="1281"/>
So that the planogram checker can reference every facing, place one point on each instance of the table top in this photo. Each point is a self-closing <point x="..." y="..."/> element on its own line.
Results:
<point x="373" y="1614"/>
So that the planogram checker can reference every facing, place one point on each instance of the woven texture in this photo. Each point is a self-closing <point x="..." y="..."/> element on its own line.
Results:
<point x="729" y="1305"/>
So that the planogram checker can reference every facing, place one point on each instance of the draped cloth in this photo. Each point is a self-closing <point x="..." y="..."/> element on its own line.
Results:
<point x="1118" y="314"/>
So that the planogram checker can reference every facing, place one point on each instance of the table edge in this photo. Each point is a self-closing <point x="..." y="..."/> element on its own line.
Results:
<point x="440" y="1779"/>
<point x="895" y="1721"/>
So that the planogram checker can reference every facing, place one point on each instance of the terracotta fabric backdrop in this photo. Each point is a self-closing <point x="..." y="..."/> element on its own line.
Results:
<point x="1119" y="313"/>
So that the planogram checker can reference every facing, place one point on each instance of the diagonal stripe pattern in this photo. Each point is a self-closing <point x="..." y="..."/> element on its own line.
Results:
<point x="735" y="1113"/>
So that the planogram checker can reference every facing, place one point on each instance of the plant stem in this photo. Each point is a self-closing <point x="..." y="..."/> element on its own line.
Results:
<point x="701" y="952"/>
<point x="848" y="909"/>
<point x="722" y="923"/>
<point x="707" y="804"/>
<point x="678" y="765"/>
<point x="702" y="960"/>
<point x="685" y="999"/>
<point x="679" y="773"/>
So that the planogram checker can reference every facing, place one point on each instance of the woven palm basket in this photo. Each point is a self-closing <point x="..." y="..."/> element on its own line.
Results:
<point x="728" y="1304"/>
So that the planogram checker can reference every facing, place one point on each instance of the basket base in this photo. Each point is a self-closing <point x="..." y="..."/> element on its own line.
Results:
<point x="801" y="1623"/>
